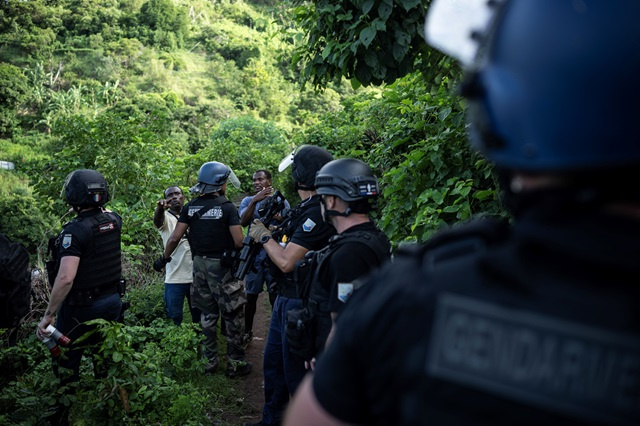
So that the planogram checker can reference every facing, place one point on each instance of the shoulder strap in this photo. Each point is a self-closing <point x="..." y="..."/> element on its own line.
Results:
<point x="376" y="241"/>
<point x="373" y="240"/>
<point x="306" y="270"/>
<point x="457" y="242"/>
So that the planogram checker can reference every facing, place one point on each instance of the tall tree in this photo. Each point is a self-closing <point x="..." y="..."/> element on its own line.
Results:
<point x="366" y="41"/>
<point x="13" y="87"/>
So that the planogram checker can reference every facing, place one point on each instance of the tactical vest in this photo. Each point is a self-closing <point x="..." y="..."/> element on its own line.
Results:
<point x="101" y="264"/>
<point x="319" y="296"/>
<point x="308" y="327"/>
<point x="497" y="352"/>
<point x="284" y="231"/>
<point x="192" y="237"/>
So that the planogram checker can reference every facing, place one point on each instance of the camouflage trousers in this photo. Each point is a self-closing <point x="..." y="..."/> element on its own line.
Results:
<point x="217" y="294"/>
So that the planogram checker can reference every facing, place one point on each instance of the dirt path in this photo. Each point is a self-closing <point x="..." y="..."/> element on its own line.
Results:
<point x="251" y="386"/>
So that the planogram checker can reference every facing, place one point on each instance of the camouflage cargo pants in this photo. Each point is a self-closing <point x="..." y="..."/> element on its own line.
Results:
<point x="216" y="293"/>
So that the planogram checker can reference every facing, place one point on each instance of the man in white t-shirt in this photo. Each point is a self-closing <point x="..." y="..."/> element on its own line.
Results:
<point x="179" y="272"/>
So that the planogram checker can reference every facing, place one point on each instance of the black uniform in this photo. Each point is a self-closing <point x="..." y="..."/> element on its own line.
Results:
<point x="350" y="256"/>
<point x="537" y="325"/>
<point x="284" y="371"/>
<point x="94" y="237"/>
<point x="209" y="218"/>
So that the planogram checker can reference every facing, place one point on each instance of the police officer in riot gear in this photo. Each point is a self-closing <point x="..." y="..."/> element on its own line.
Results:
<point x="530" y="324"/>
<point x="88" y="270"/>
<point x="214" y="231"/>
<point x="347" y="189"/>
<point x="305" y="231"/>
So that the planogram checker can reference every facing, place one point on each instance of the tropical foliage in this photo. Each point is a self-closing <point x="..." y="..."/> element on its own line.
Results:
<point x="145" y="91"/>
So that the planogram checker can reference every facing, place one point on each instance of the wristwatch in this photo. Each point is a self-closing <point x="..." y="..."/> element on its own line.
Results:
<point x="265" y="238"/>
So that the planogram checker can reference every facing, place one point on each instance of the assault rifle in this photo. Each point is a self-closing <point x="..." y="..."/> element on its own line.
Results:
<point x="250" y="248"/>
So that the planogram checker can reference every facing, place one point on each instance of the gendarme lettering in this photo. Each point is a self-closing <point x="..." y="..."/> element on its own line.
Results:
<point x="540" y="360"/>
<point x="213" y="213"/>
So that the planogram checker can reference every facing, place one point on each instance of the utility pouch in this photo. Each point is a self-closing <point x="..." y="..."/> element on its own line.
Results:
<point x="121" y="287"/>
<point x="301" y="332"/>
<point x="229" y="258"/>
<point x="303" y="274"/>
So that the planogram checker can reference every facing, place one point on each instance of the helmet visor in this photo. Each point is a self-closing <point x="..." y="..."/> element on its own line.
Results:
<point x="233" y="179"/>
<point x="286" y="161"/>
<point x="451" y="25"/>
<point x="66" y="184"/>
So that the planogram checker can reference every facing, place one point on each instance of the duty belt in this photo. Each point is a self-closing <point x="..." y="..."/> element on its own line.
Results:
<point x="86" y="296"/>
<point x="288" y="288"/>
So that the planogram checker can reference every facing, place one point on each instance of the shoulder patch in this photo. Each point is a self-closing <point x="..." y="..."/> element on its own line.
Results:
<point x="66" y="241"/>
<point x="308" y="225"/>
<point x="106" y="227"/>
<point x="345" y="290"/>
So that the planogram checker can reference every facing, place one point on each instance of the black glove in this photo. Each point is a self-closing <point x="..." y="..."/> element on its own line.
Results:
<point x="160" y="262"/>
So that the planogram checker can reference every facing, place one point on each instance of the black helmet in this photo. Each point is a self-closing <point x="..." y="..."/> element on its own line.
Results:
<point x="212" y="176"/>
<point x="86" y="188"/>
<point x="348" y="179"/>
<point x="305" y="162"/>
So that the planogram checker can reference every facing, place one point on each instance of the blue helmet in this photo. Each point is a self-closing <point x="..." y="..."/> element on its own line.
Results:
<point x="212" y="176"/>
<point x="554" y="86"/>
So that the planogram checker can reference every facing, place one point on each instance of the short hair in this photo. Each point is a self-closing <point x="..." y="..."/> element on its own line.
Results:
<point x="267" y="173"/>
<point x="164" y="194"/>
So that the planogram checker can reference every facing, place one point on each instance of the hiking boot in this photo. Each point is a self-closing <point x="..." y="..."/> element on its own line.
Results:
<point x="246" y="339"/>
<point x="211" y="366"/>
<point x="237" y="368"/>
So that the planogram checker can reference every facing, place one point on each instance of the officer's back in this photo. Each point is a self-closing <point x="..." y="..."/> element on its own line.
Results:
<point x="534" y="323"/>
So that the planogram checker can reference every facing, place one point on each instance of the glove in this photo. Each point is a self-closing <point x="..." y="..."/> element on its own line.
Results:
<point x="160" y="263"/>
<point x="258" y="230"/>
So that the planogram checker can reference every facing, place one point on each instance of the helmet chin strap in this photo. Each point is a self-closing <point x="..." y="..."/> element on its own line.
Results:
<point x="329" y="213"/>
<point x="297" y="187"/>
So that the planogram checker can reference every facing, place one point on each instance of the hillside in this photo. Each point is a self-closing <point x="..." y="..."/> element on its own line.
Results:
<point x="145" y="91"/>
<point x="171" y="73"/>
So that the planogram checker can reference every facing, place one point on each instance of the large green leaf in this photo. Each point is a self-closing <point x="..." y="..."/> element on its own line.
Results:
<point x="367" y="35"/>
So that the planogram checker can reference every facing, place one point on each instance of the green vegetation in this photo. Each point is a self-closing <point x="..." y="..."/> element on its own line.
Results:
<point x="154" y="374"/>
<point x="145" y="91"/>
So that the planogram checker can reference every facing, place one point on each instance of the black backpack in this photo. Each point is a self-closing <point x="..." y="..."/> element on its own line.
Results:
<point x="15" y="283"/>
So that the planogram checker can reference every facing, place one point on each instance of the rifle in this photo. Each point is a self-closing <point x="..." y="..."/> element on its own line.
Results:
<point x="250" y="248"/>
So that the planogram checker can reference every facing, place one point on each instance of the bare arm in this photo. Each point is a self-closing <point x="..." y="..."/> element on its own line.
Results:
<point x="306" y="410"/>
<point x="236" y="234"/>
<point x="174" y="239"/>
<point x="61" y="288"/>
<point x="284" y="258"/>
<point x="158" y="214"/>
<point x="247" y="215"/>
